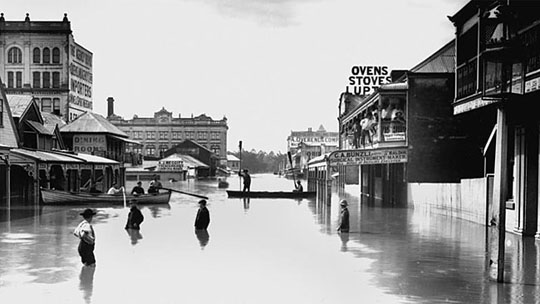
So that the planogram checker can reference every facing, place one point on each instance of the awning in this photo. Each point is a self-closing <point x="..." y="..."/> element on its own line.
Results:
<point x="127" y="140"/>
<point x="61" y="157"/>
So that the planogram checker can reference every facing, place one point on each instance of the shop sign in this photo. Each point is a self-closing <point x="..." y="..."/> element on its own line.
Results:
<point x="171" y="165"/>
<point x="72" y="166"/>
<point x="368" y="157"/>
<point x="86" y="166"/>
<point x="365" y="79"/>
<point x="86" y="143"/>
<point x="474" y="104"/>
<point x="532" y="85"/>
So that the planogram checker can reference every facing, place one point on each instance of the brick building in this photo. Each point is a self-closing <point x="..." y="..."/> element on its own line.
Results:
<point x="42" y="59"/>
<point x="163" y="131"/>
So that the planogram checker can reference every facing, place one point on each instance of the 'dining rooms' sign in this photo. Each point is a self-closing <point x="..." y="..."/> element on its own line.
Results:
<point x="365" y="79"/>
<point x="89" y="143"/>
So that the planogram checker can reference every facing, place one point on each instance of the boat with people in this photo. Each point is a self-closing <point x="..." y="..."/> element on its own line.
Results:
<point x="58" y="197"/>
<point x="271" y="194"/>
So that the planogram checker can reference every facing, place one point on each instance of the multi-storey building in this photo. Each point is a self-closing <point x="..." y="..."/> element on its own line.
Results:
<point x="163" y="131"/>
<point x="306" y="145"/>
<point x="42" y="59"/>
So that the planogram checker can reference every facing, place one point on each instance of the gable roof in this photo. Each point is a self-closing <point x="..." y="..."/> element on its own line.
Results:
<point x="91" y="122"/>
<point x="50" y="121"/>
<point x="21" y="106"/>
<point x="9" y="137"/>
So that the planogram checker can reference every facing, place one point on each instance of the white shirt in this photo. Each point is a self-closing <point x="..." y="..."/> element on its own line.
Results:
<point x="83" y="228"/>
<point x="113" y="190"/>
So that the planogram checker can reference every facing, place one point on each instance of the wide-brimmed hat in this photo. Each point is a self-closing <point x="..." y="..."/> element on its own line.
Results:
<point x="202" y="202"/>
<point x="343" y="203"/>
<point x="88" y="212"/>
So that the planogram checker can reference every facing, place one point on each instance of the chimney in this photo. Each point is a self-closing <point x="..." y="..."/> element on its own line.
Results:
<point x="110" y="107"/>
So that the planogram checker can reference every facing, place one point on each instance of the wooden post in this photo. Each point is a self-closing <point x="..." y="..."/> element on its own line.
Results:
<point x="240" y="164"/>
<point x="497" y="214"/>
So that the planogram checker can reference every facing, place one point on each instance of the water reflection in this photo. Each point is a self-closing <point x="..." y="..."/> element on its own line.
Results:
<point x="344" y="236"/>
<point x="86" y="282"/>
<point x="134" y="235"/>
<point x="203" y="236"/>
<point x="246" y="203"/>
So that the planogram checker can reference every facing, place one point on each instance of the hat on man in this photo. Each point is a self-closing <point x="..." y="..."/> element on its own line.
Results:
<point x="202" y="202"/>
<point x="343" y="203"/>
<point x="88" y="212"/>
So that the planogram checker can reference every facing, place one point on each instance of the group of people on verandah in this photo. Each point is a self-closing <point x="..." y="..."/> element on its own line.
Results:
<point x="87" y="236"/>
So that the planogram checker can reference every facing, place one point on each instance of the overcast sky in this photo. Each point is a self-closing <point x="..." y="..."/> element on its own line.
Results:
<point x="269" y="66"/>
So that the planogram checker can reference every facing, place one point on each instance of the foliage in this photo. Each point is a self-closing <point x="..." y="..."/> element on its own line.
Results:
<point x="261" y="162"/>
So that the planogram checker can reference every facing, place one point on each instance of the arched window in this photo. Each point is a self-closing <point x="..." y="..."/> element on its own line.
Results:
<point x="56" y="55"/>
<point x="14" y="55"/>
<point x="36" y="55"/>
<point x="46" y="55"/>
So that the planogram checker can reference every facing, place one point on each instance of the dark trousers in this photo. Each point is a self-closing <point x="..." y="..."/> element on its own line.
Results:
<point x="246" y="188"/>
<point x="86" y="251"/>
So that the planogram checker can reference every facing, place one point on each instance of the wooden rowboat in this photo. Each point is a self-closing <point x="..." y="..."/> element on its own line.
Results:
<point x="271" y="194"/>
<point x="56" y="197"/>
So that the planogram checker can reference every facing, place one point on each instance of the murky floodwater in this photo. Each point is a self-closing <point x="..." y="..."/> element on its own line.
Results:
<point x="259" y="251"/>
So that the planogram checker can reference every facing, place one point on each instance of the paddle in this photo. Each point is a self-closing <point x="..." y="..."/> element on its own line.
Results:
<point x="292" y="169"/>
<point x="178" y="191"/>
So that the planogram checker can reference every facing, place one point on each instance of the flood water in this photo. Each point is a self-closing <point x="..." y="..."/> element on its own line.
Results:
<point x="259" y="251"/>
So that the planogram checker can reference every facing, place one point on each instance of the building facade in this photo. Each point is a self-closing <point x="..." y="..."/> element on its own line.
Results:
<point x="163" y="131"/>
<point x="306" y="145"/>
<point x="498" y="79"/>
<point x="42" y="59"/>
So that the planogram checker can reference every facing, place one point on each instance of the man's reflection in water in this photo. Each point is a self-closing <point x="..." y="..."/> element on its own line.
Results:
<point x="86" y="284"/>
<point x="203" y="237"/>
<point x="344" y="236"/>
<point x="246" y="203"/>
<point x="135" y="235"/>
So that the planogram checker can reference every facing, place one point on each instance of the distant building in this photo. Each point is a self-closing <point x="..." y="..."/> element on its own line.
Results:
<point x="163" y="131"/>
<point x="209" y="159"/>
<point x="233" y="163"/>
<point x="42" y="59"/>
<point x="306" y="145"/>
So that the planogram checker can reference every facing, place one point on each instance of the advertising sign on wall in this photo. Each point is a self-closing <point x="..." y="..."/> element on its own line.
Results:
<point x="368" y="157"/>
<point x="85" y="143"/>
<point x="365" y="79"/>
<point x="80" y="77"/>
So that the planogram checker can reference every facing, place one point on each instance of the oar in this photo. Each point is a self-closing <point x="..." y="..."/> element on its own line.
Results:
<point x="292" y="169"/>
<point x="192" y="194"/>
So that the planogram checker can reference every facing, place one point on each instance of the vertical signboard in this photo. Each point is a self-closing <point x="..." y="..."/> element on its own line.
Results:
<point x="80" y="80"/>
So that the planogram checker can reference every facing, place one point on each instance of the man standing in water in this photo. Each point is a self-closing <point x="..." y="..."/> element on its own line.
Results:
<point x="87" y="237"/>
<point x="247" y="180"/>
<point x="344" y="217"/>
<point x="203" y="216"/>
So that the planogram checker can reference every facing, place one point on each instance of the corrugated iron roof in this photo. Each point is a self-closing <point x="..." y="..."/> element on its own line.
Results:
<point x="442" y="61"/>
<point x="19" y="103"/>
<point x="91" y="122"/>
<point x="50" y="121"/>
<point x="39" y="128"/>
<point x="231" y="157"/>
<point x="47" y="156"/>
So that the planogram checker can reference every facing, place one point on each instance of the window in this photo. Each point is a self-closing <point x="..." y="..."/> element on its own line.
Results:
<point x="18" y="79"/>
<point x="150" y="135"/>
<point x="46" y="105"/>
<point x="37" y="55"/>
<point x="46" y="79"/>
<point x="14" y="55"/>
<point x="162" y="149"/>
<point x="36" y="77"/>
<point x="56" y="55"/>
<point x="10" y="79"/>
<point x="150" y="150"/>
<point x="56" y="106"/>
<point x="56" y="80"/>
<point x="164" y="135"/>
<point x="46" y="55"/>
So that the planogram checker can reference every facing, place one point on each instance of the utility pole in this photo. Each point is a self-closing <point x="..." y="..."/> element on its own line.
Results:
<point x="240" y="169"/>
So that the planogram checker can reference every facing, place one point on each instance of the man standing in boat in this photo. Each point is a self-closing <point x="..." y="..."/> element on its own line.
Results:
<point x="247" y="180"/>
<point x="298" y="187"/>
